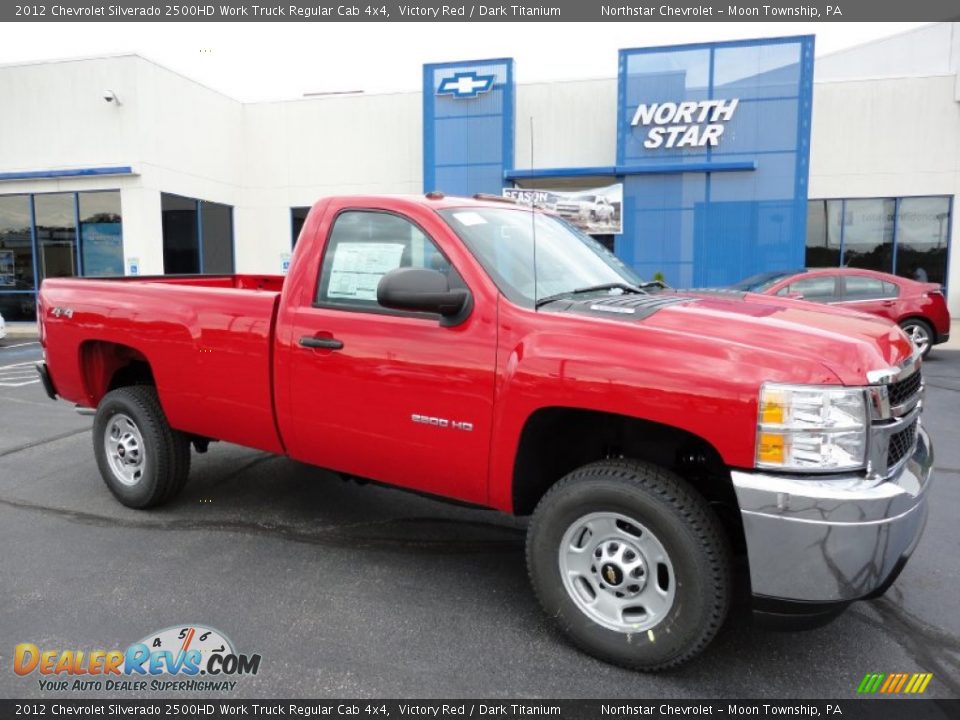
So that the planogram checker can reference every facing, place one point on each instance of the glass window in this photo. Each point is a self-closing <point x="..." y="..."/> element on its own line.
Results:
<point x="101" y="233"/>
<point x="923" y="227"/>
<point x="217" y="232"/>
<point x="16" y="244"/>
<point x="298" y="216"/>
<point x="815" y="289"/>
<point x="868" y="234"/>
<point x="823" y="236"/>
<point x="181" y="245"/>
<point x="56" y="234"/>
<point x="860" y="287"/>
<point x="567" y="260"/>
<point x="365" y="246"/>
<point x="18" y="306"/>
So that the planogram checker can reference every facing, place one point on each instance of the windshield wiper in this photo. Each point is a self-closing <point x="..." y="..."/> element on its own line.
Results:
<point x="626" y="287"/>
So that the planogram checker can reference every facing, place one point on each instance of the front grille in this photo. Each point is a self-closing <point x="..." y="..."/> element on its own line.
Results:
<point x="901" y="444"/>
<point x="902" y="390"/>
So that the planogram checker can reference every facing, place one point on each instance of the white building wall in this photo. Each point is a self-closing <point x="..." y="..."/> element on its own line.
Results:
<point x="574" y="124"/>
<point x="886" y="138"/>
<point x="929" y="50"/>
<point x="177" y="135"/>
<point x="299" y="151"/>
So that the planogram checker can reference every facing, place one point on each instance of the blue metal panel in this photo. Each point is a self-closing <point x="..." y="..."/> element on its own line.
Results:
<point x="648" y="169"/>
<point x="78" y="241"/>
<point x="35" y="241"/>
<point x="683" y="217"/>
<point x="75" y="172"/>
<point x="198" y="209"/>
<point x="468" y="125"/>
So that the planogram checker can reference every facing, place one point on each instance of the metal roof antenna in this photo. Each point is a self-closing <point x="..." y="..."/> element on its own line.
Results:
<point x="533" y="222"/>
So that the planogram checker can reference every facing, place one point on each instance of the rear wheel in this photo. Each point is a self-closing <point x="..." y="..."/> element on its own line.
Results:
<point x="631" y="563"/>
<point x="143" y="461"/>
<point x="920" y="333"/>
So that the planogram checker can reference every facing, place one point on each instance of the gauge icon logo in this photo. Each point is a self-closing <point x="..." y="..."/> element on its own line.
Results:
<point x="184" y="638"/>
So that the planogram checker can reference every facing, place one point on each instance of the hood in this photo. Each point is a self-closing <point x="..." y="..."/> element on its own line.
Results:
<point x="848" y="343"/>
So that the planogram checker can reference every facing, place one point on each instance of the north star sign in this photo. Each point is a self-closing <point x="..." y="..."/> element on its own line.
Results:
<point x="685" y="124"/>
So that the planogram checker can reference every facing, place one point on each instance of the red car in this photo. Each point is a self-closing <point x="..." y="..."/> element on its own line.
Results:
<point x="917" y="307"/>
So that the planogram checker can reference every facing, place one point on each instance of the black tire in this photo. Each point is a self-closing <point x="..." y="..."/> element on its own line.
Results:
<point x="165" y="451"/>
<point x="685" y="526"/>
<point x="922" y="326"/>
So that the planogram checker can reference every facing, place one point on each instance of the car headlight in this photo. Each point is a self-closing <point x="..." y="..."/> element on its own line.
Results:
<point x="811" y="427"/>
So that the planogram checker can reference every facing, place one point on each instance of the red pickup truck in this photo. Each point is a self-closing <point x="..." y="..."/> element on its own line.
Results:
<point x="494" y="355"/>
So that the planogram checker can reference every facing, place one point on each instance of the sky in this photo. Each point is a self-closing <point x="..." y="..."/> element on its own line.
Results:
<point x="274" y="61"/>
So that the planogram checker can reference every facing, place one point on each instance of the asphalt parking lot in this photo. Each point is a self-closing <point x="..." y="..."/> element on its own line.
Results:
<point x="364" y="591"/>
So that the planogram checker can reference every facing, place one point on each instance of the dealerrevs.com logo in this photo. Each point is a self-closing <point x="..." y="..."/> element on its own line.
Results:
<point x="188" y="658"/>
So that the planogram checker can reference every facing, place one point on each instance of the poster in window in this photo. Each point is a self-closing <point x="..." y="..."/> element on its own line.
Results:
<point x="597" y="211"/>
<point x="102" y="248"/>
<point x="8" y="275"/>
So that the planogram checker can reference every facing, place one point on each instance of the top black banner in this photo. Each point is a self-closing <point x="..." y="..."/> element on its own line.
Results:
<point x="466" y="11"/>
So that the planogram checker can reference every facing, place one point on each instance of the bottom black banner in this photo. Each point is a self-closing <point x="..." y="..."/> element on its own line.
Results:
<point x="918" y="709"/>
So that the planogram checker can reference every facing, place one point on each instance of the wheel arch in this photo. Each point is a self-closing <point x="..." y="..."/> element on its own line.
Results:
<point x="107" y="365"/>
<point x="916" y="316"/>
<point x="556" y="440"/>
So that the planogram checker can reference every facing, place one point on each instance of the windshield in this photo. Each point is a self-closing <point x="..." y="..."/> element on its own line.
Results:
<point x="567" y="260"/>
<point x="761" y="281"/>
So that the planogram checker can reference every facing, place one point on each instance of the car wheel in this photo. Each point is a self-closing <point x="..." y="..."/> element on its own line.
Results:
<point x="143" y="461"/>
<point x="631" y="563"/>
<point x="920" y="333"/>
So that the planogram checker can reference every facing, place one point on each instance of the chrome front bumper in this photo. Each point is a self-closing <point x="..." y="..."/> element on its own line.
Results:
<point x="832" y="539"/>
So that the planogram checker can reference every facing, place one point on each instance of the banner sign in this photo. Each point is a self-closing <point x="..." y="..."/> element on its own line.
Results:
<point x="442" y="11"/>
<point x="597" y="211"/>
<point x="216" y="709"/>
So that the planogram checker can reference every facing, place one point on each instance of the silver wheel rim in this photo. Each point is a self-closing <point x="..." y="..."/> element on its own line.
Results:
<point x="918" y="336"/>
<point x="124" y="449"/>
<point x="617" y="572"/>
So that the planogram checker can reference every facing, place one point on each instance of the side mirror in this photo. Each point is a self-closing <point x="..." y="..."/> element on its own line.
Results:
<point x="423" y="290"/>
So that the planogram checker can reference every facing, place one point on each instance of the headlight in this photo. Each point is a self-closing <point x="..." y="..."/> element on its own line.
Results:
<point x="811" y="427"/>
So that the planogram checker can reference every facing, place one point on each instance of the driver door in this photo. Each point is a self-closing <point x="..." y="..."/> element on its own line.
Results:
<point x="391" y="396"/>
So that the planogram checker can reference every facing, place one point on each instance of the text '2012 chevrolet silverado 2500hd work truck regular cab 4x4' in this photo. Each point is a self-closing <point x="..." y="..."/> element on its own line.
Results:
<point x="654" y="436"/>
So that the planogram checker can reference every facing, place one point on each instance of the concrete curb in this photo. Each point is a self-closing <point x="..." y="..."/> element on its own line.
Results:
<point x="21" y="329"/>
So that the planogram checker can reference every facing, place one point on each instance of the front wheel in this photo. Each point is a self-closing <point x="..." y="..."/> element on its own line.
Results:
<point x="143" y="461"/>
<point x="631" y="563"/>
<point x="920" y="334"/>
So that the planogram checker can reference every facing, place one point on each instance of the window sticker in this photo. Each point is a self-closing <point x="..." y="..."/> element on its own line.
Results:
<point x="358" y="267"/>
<point x="469" y="218"/>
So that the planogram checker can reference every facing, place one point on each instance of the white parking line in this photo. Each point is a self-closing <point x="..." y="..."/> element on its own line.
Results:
<point x="18" y="375"/>
<point x="11" y="347"/>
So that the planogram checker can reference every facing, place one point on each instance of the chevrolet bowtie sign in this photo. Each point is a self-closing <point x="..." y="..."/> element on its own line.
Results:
<point x="684" y="124"/>
<point x="465" y="84"/>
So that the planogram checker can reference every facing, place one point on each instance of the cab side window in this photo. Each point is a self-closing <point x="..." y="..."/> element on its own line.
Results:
<point x="860" y="287"/>
<point x="816" y="289"/>
<point x="363" y="247"/>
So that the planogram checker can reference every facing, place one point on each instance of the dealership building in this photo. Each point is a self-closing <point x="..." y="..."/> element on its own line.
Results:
<point x="728" y="159"/>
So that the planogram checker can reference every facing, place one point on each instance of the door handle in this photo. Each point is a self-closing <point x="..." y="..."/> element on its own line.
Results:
<point x="889" y="303"/>
<point x="321" y="343"/>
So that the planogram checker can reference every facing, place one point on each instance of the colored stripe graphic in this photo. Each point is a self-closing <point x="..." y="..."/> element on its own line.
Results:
<point x="922" y="682"/>
<point x="894" y="683"/>
<point x="870" y="683"/>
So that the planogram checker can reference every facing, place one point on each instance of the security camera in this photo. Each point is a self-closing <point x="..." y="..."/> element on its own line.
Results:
<point x="110" y="96"/>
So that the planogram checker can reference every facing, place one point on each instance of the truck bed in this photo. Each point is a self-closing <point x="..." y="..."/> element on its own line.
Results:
<point x="207" y="340"/>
